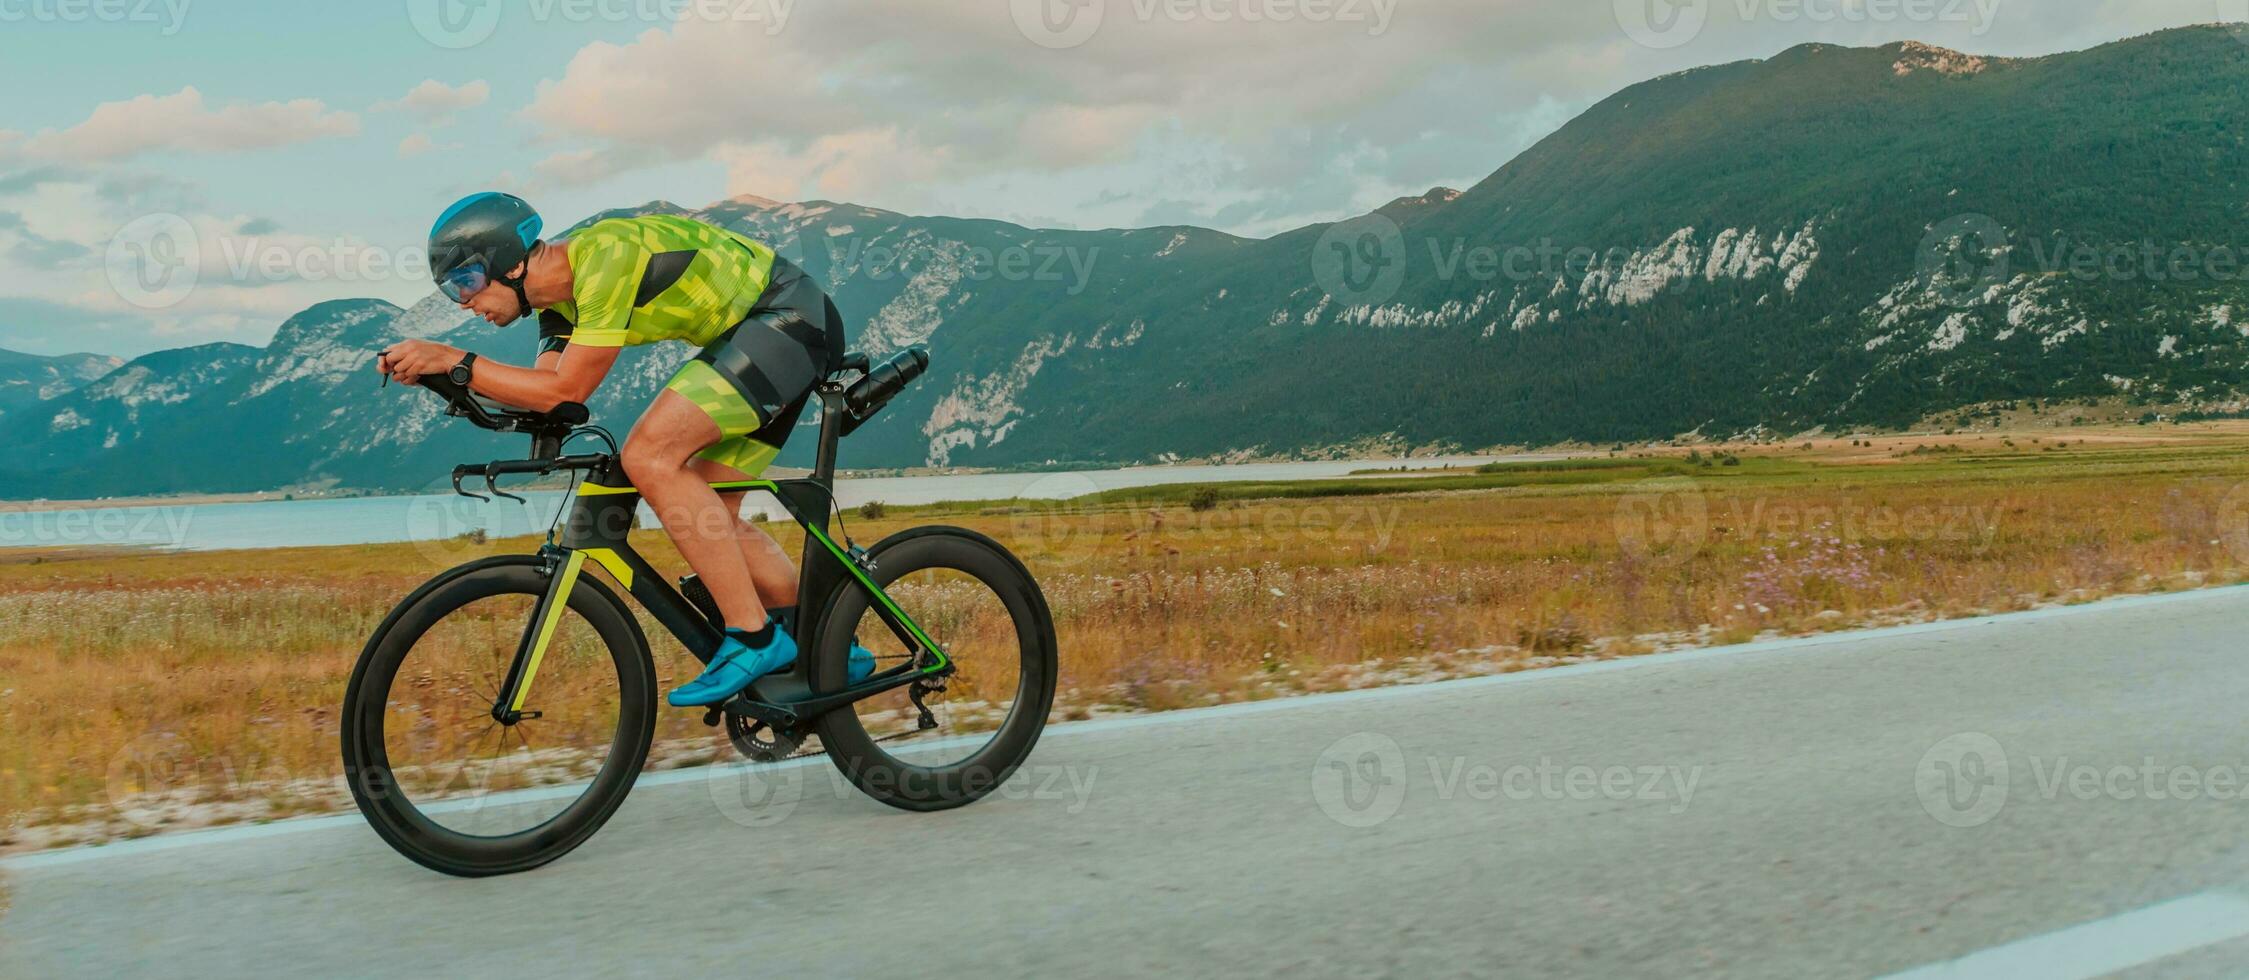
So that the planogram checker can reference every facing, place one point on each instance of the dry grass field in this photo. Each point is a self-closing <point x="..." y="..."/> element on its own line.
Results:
<point x="142" y="691"/>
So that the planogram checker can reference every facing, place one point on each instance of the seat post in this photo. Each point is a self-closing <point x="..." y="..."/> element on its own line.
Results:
<point x="831" y="432"/>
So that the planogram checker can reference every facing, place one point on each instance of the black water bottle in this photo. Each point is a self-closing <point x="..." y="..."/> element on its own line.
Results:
<point x="886" y="380"/>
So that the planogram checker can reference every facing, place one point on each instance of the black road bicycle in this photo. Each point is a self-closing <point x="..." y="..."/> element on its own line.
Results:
<point x="500" y="714"/>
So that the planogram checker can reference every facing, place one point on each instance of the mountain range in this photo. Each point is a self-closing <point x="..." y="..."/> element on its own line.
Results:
<point x="1829" y="238"/>
<point x="28" y="379"/>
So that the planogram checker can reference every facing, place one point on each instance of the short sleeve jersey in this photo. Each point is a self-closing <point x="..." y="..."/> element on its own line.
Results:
<point x="659" y="277"/>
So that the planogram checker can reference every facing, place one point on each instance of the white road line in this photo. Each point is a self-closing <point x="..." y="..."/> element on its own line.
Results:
<point x="2105" y="946"/>
<point x="220" y="835"/>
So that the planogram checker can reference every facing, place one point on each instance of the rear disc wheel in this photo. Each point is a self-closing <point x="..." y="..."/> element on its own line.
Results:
<point x="959" y="731"/>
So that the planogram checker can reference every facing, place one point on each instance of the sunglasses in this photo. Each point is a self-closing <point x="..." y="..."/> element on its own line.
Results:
<point x="464" y="282"/>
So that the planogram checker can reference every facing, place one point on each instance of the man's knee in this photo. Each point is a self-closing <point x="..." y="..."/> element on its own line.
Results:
<point x="647" y="459"/>
<point x="667" y="438"/>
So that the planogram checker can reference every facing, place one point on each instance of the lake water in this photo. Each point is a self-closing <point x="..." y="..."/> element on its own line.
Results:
<point x="370" y="520"/>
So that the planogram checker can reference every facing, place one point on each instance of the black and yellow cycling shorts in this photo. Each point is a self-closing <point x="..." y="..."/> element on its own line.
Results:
<point x="754" y="380"/>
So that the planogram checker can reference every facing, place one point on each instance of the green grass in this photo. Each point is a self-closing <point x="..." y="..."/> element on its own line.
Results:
<point x="1769" y="470"/>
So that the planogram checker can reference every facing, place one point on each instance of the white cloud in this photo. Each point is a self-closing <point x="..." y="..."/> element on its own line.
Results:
<point x="1269" y="121"/>
<point x="417" y="144"/>
<point x="433" y="100"/>
<point x="182" y="121"/>
<point x="904" y="105"/>
<point x="68" y="209"/>
<point x="853" y="165"/>
<point x="578" y="168"/>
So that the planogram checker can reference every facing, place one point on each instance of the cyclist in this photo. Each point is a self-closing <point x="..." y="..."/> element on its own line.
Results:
<point x="767" y="335"/>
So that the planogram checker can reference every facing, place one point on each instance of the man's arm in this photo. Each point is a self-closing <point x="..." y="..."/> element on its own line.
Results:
<point x="570" y="375"/>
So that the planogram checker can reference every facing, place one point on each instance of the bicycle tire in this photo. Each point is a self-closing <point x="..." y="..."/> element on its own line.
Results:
<point x="862" y="756"/>
<point x="367" y="764"/>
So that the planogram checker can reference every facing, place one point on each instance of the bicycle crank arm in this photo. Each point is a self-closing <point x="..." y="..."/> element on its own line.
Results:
<point x="773" y="715"/>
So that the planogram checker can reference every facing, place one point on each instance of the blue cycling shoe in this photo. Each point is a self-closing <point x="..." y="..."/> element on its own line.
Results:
<point x="736" y="666"/>
<point x="862" y="663"/>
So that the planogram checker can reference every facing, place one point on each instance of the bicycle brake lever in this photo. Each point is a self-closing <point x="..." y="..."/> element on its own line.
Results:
<point x="457" y="475"/>
<point x="492" y="483"/>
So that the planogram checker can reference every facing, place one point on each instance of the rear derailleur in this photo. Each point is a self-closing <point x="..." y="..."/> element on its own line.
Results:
<point x="923" y="688"/>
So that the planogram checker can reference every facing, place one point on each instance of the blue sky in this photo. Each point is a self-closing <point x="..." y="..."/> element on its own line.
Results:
<point x="300" y="133"/>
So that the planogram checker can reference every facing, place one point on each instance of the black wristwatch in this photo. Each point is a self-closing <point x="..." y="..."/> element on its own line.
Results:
<point x="462" y="372"/>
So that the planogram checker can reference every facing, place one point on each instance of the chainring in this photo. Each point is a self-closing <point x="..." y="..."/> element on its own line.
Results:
<point x="759" y="742"/>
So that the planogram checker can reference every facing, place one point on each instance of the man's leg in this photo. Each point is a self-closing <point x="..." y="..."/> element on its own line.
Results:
<point x="776" y="575"/>
<point x="657" y="456"/>
<point x="770" y="567"/>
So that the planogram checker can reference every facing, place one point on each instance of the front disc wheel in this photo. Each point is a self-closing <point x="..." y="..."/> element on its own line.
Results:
<point x="457" y="789"/>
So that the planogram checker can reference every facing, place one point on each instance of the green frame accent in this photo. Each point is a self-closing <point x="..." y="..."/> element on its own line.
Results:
<point x="843" y="556"/>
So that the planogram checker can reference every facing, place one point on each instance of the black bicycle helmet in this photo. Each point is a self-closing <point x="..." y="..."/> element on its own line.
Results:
<point x="482" y="238"/>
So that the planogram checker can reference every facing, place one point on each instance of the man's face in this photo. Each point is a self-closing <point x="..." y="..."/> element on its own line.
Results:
<point x="496" y="302"/>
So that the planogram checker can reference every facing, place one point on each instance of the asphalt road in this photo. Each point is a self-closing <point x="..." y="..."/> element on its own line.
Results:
<point x="1966" y="799"/>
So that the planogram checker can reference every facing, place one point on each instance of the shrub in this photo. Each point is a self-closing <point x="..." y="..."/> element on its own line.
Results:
<point x="1205" y="498"/>
<point x="872" y="510"/>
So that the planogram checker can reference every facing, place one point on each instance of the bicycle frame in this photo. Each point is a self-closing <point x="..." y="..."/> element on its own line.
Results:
<point x="605" y="510"/>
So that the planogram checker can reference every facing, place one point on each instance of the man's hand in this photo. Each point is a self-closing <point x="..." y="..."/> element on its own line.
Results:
<point x="408" y="360"/>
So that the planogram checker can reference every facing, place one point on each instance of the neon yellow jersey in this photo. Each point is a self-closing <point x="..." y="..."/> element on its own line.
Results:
<point x="660" y="277"/>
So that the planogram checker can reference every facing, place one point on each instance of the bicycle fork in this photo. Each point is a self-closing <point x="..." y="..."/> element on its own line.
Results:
<point x="507" y="707"/>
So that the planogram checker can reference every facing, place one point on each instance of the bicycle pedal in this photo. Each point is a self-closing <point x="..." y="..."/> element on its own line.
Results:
<point x="712" y="716"/>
